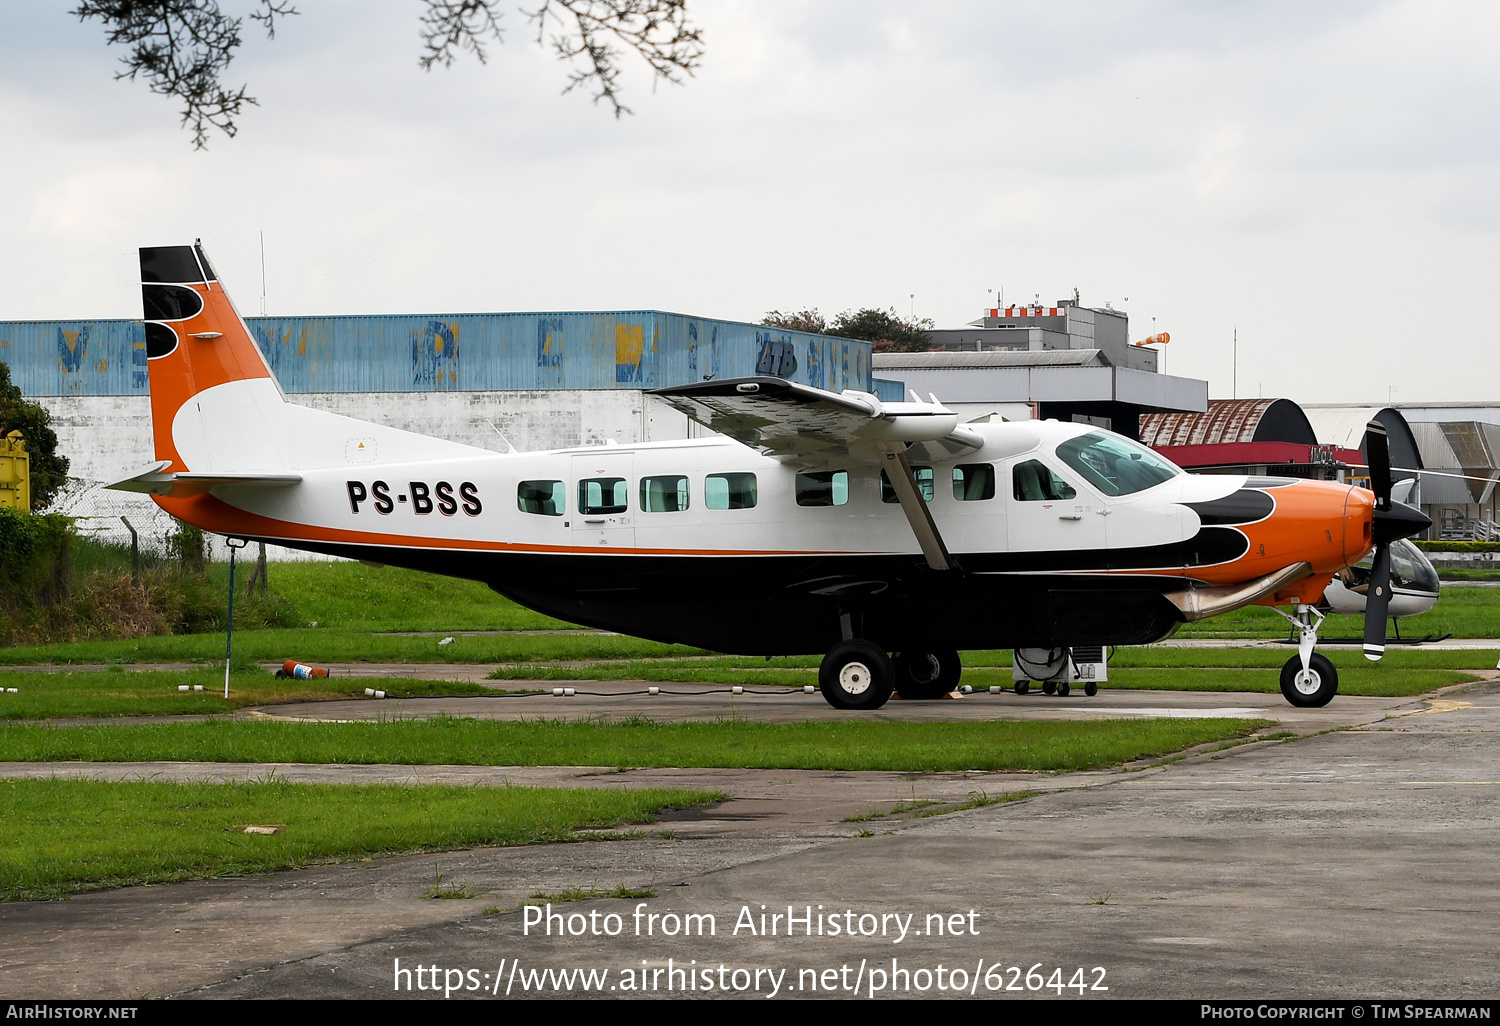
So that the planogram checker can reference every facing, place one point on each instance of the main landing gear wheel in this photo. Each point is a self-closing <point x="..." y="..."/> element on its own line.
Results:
<point x="1310" y="688"/>
<point x="1023" y="686"/>
<point x="856" y="675"/>
<point x="927" y="673"/>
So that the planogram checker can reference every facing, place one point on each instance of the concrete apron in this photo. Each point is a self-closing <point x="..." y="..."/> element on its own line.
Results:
<point x="1348" y="863"/>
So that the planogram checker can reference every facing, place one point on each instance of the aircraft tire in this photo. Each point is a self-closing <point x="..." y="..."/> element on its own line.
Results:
<point x="1023" y="686"/>
<point x="924" y="674"/>
<point x="856" y="675"/>
<point x="1316" y="689"/>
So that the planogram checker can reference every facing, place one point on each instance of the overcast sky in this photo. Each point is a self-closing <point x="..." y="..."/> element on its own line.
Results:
<point x="1322" y="176"/>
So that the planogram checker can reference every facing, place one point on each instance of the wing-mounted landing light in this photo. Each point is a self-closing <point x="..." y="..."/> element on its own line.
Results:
<point x="1391" y="521"/>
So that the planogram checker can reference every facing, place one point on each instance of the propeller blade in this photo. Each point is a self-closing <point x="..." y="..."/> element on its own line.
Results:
<point x="1378" y="453"/>
<point x="1377" y="601"/>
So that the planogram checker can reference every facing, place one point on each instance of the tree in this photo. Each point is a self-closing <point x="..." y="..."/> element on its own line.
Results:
<point x="885" y="330"/>
<point x="182" y="48"/>
<point x="803" y="320"/>
<point x="49" y="471"/>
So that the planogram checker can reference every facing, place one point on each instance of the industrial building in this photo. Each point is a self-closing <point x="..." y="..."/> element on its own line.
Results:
<point x="527" y="381"/>
<point x="1065" y="362"/>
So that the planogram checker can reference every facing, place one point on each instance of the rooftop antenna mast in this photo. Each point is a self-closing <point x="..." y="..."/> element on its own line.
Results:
<point x="262" y="272"/>
<point x="1235" y="375"/>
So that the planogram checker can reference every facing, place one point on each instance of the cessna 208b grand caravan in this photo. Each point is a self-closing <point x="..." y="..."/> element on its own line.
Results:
<point x="885" y="535"/>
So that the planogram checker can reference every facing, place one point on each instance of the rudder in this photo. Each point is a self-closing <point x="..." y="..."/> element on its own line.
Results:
<point x="196" y="343"/>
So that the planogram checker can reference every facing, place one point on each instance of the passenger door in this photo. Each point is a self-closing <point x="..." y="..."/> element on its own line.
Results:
<point x="604" y="499"/>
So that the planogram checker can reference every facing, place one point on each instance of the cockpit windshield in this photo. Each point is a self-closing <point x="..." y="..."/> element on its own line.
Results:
<point x="1115" y="465"/>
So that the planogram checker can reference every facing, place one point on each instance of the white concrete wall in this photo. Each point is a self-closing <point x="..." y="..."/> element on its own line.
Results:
<point x="107" y="437"/>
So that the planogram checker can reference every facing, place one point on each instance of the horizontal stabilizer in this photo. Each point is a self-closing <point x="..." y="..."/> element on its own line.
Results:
<point x="155" y="479"/>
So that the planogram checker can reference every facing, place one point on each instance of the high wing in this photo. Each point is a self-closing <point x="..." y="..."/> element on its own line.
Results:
<point x="806" y="426"/>
<point x="155" y="479"/>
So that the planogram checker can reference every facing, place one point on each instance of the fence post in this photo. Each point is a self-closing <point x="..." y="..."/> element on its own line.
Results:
<point x="135" y="554"/>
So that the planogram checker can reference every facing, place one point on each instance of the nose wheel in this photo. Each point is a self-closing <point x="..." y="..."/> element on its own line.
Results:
<point x="1308" y="680"/>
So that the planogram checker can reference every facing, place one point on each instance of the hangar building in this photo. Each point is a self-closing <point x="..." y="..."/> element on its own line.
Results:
<point x="500" y="380"/>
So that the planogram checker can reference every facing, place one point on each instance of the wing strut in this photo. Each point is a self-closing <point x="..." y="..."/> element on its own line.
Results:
<point x="898" y="471"/>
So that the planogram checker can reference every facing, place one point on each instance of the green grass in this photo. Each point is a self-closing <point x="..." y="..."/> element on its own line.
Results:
<point x="65" y="836"/>
<point x="1462" y="612"/>
<point x="337" y="646"/>
<point x="844" y="745"/>
<point x="118" y="692"/>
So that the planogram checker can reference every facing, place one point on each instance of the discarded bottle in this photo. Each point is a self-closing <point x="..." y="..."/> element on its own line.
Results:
<point x="291" y="669"/>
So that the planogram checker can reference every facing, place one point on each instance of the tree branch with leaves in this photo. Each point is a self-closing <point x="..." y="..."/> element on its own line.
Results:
<point x="182" y="48"/>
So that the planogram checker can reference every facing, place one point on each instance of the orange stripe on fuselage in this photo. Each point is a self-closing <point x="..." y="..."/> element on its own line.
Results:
<point x="218" y="517"/>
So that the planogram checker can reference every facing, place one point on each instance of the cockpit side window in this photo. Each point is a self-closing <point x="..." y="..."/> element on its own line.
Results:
<point x="1115" y="465"/>
<point x="1034" y="481"/>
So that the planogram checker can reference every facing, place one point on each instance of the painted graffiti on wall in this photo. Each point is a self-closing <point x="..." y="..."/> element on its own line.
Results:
<point x="549" y="342"/>
<point x="72" y="346"/>
<point x="275" y="346"/>
<point x="776" y="355"/>
<point x="630" y="345"/>
<point x="434" y="356"/>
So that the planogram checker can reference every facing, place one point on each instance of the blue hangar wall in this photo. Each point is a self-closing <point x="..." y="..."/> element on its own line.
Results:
<point x="455" y="352"/>
<point x="531" y="380"/>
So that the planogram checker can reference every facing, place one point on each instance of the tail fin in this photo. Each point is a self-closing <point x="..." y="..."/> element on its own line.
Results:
<point x="214" y="399"/>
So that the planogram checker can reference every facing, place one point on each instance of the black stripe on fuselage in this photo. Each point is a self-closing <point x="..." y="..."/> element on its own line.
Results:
<point x="788" y="605"/>
<point x="1246" y="506"/>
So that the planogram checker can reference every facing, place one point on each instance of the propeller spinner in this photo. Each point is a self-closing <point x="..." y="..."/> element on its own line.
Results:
<point x="1391" y="520"/>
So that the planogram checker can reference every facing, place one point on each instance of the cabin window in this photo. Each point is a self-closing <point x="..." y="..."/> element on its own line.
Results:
<point x="729" y="491"/>
<point x="664" y="494"/>
<point x="1035" y="482"/>
<point x="1115" y="465"/>
<point x="973" y="481"/>
<point x="603" y="495"/>
<point x="548" y="498"/>
<point x="823" y="488"/>
<point x="924" y="485"/>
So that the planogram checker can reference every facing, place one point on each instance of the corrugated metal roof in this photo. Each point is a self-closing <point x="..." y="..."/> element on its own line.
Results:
<point x="991" y="358"/>
<point x="1227" y="420"/>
